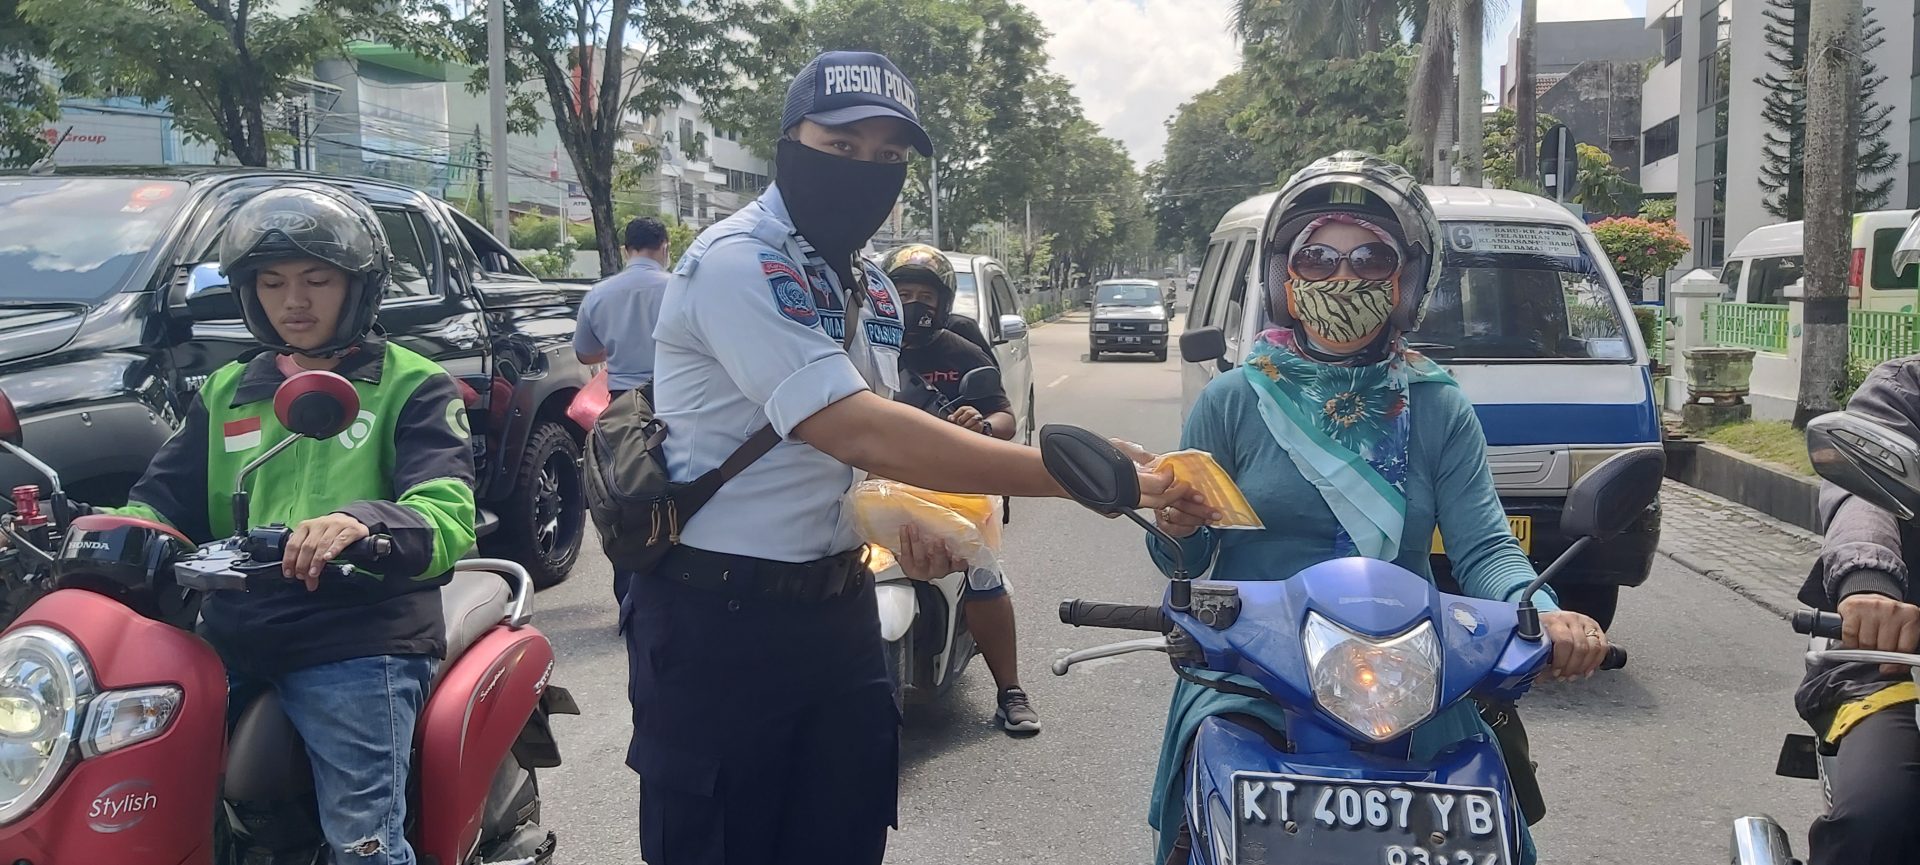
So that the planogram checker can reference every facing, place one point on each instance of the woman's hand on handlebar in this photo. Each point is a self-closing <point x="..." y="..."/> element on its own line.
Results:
<point x="1879" y="623"/>
<point x="316" y="542"/>
<point x="1579" y="644"/>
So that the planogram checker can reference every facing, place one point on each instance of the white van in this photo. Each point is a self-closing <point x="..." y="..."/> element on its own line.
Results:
<point x="1772" y="257"/>
<point x="1530" y="318"/>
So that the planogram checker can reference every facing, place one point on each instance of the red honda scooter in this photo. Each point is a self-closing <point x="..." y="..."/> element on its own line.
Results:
<point x="114" y="743"/>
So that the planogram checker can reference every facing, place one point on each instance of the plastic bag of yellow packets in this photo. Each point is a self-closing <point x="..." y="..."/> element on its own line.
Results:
<point x="969" y="525"/>
<point x="1198" y="469"/>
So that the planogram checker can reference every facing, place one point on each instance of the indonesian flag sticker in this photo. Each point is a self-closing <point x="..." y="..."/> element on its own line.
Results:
<point x="242" y="434"/>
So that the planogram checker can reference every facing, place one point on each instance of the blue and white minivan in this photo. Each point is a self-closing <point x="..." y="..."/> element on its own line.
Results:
<point x="1529" y="317"/>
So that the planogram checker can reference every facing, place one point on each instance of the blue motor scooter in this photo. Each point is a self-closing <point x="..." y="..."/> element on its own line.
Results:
<point x="1357" y="653"/>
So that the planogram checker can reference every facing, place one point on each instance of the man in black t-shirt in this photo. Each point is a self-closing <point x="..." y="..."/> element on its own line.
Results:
<point x="933" y="360"/>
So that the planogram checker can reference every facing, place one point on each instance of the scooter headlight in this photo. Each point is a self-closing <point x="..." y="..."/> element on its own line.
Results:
<point x="1220" y="829"/>
<point x="44" y="682"/>
<point x="1379" y="688"/>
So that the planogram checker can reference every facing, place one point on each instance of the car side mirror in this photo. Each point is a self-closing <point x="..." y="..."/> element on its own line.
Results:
<point x="1092" y="471"/>
<point x="209" y="296"/>
<point x="1868" y="459"/>
<point x="1611" y="495"/>
<point x="10" y="431"/>
<point x="316" y="404"/>
<point x="1203" y="344"/>
<point x="980" y="384"/>
<point x="1012" y="327"/>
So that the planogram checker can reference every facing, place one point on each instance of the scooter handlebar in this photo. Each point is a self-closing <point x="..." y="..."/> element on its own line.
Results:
<point x="1126" y="617"/>
<point x="1815" y="623"/>
<point x="1616" y="658"/>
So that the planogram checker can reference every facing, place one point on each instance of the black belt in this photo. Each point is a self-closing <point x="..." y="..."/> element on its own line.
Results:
<point x="747" y="577"/>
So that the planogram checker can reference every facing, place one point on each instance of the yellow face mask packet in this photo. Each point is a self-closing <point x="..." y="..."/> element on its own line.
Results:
<point x="969" y="525"/>
<point x="1199" y="470"/>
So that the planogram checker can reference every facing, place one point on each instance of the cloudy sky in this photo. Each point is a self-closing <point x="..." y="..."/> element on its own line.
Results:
<point x="1133" y="62"/>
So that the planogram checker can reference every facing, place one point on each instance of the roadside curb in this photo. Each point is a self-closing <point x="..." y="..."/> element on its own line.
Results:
<point x="1757" y="556"/>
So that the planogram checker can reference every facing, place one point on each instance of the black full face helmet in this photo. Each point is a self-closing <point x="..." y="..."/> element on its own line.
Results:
<point x="1368" y="187"/>
<point x="308" y="220"/>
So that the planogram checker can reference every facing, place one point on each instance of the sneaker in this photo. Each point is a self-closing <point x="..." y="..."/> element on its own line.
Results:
<point x="1016" y="714"/>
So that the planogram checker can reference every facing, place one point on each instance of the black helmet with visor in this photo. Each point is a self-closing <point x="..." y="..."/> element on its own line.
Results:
<point x="307" y="220"/>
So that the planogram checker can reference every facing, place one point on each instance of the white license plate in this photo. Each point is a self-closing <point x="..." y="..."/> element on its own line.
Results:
<point x="1129" y="340"/>
<point x="1295" y="818"/>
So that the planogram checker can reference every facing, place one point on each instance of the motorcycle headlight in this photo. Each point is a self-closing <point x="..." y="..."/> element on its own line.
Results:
<point x="44" y="681"/>
<point x="1220" y="827"/>
<point x="1379" y="687"/>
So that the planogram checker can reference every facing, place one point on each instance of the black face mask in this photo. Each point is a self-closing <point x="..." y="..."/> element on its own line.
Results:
<point x="920" y="321"/>
<point x="836" y="203"/>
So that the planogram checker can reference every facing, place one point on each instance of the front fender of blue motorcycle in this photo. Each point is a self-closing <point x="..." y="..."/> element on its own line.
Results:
<point x="1251" y="802"/>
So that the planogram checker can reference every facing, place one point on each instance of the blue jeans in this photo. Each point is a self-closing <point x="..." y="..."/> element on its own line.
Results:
<point x="356" y="717"/>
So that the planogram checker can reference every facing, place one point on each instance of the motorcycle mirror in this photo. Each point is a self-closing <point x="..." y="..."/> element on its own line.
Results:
<point x="10" y="431"/>
<point x="316" y="404"/>
<point x="979" y="384"/>
<point x="1203" y="344"/>
<point x="1605" y="501"/>
<point x="1868" y="459"/>
<point x="1094" y="472"/>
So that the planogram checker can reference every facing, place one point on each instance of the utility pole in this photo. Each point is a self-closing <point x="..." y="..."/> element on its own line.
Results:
<point x="497" y="98"/>
<point x="1527" y="123"/>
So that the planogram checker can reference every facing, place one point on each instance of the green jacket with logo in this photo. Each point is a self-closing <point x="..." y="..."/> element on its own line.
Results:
<point x="404" y="469"/>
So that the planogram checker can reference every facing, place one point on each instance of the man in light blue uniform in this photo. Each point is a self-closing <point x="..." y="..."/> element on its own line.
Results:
<point x="617" y="318"/>
<point x="764" y="724"/>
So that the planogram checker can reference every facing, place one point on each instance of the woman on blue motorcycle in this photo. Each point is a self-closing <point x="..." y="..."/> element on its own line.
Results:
<point x="1346" y="442"/>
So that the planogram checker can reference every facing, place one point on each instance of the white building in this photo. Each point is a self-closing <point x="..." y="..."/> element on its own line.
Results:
<point x="706" y="173"/>
<point x="1702" y="130"/>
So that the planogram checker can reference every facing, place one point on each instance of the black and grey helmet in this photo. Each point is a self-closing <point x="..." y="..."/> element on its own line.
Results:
<point x="1353" y="182"/>
<point x="918" y="262"/>
<point x="308" y="220"/>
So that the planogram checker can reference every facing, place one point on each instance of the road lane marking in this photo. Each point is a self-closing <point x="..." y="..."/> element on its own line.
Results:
<point x="1056" y="382"/>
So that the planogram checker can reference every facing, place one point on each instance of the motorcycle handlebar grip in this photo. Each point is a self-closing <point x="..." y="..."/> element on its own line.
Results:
<point x="1815" y="623"/>
<point x="1616" y="658"/>
<point x="1127" y="617"/>
<point x="368" y="550"/>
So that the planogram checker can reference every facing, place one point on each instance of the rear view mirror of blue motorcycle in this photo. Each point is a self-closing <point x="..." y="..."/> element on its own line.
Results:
<point x="1601" y="505"/>
<point x="1867" y="458"/>
<point x="1104" y="480"/>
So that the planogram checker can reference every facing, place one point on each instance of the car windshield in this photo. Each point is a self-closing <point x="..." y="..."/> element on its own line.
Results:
<point x="76" y="239"/>
<point x="1521" y="292"/>
<point x="1129" y="294"/>
<point x="966" y="301"/>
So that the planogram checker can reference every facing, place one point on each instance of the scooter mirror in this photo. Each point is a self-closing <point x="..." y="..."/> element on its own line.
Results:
<point x="979" y="384"/>
<point x="316" y="404"/>
<point x="9" y="422"/>
<point x="1094" y="472"/>
<point x="1613" y="494"/>
<point x="1867" y="458"/>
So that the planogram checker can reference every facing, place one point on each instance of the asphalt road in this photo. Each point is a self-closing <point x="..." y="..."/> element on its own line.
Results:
<point x="1649" y="764"/>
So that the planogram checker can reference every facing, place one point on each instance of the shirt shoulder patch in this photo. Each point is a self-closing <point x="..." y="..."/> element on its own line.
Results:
<point x="883" y="304"/>
<point x="789" y="292"/>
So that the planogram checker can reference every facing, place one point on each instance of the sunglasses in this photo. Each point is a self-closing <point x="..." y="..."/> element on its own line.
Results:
<point x="1316" y="261"/>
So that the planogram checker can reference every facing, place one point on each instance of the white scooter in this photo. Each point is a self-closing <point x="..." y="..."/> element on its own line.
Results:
<point x="925" y="623"/>
<point x="1882" y="466"/>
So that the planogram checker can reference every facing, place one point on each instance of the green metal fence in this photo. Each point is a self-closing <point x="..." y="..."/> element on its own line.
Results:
<point x="1758" y="326"/>
<point x="1873" y="337"/>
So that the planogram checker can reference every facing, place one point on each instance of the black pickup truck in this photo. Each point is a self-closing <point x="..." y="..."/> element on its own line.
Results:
<point x="101" y="351"/>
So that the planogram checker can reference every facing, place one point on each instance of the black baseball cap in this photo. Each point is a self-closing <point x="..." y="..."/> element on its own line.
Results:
<point x="842" y="87"/>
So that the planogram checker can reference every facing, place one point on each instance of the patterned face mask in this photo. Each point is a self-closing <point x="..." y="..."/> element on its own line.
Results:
<point x="1341" y="314"/>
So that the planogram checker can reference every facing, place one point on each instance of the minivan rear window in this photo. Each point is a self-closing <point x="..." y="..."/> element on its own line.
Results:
<point x="1498" y="303"/>
<point x="1883" y="275"/>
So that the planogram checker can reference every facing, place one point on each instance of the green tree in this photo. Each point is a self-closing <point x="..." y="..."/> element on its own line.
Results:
<point x="1503" y="147"/>
<point x="1785" y="108"/>
<point x="599" y="62"/>
<point x="1299" y="110"/>
<point x="978" y="69"/>
<point x="1600" y="186"/>
<point x="222" y="66"/>
<point x="1210" y="164"/>
<point x="27" y="99"/>
<point x="1340" y="28"/>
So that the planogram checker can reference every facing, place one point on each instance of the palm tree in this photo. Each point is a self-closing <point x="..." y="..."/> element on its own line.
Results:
<point x="1444" y="98"/>
<point x="1833" y="50"/>
<point x="1331" y="29"/>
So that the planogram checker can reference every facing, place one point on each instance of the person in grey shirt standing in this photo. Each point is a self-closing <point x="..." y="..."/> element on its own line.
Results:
<point x="616" y="320"/>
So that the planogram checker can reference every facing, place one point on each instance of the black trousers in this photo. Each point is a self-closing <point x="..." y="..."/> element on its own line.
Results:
<point x="1876" y="792"/>
<point x="765" y="732"/>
